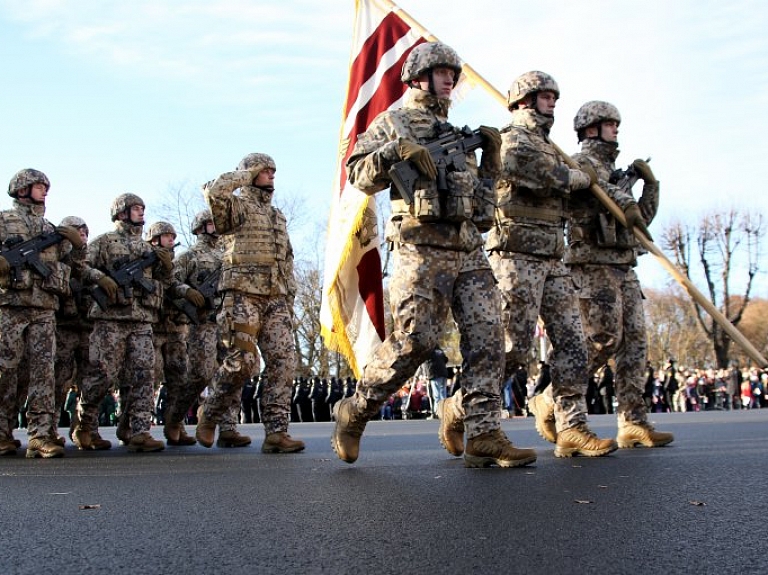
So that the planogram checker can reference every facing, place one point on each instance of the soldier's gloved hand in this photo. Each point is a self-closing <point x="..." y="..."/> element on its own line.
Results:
<point x="166" y="257"/>
<point x="194" y="296"/>
<point x="5" y="268"/>
<point x="578" y="180"/>
<point x="644" y="170"/>
<point x="635" y="220"/>
<point x="420" y="157"/>
<point x="491" y="139"/>
<point x="109" y="286"/>
<point x="72" y="234"/>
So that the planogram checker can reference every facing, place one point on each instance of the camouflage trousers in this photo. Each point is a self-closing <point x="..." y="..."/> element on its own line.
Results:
<point x="71" y="360"/>
<point x="27" y="338"/>
<point x="614" y="326"/>
<point x="121" y="353"/>
<point x="428" y="282"/>
<point x="202" y="348"/>
<point x="171" y="367"/>
<point x="533" y="288"/>
<point x="251" y="325"/>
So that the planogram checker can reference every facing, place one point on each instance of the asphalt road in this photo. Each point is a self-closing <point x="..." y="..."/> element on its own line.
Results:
<point x="406" y="506"/>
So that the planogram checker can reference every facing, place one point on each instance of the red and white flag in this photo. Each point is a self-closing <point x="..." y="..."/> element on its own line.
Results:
<point x="352" y="310"/>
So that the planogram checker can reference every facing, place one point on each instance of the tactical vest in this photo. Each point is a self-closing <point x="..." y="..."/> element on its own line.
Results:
<point x="30" y="289"/>
<point x="256" y="254"/>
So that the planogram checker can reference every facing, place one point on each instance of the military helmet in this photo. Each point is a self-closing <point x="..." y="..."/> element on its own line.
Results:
<point x="259" y="161"/>
<point x="124" y="202"/>
<point x="158" y="229"/>
<point x="75" y="222"/>
<point x="530" y="83"/>
<point x="430" y="55"/>
<point x="594" y="112"/>
<point x="25" y="178"/>
<point x="198" y="222"/>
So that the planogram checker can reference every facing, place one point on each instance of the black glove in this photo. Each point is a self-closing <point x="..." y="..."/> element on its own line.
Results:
<point x="72" y="234"/>
<point x="109" y="286"/>
<point x="644" y="170"/>
<point x="194" y="296"/>
<point x="166" y="258"/>
<point x="635" y="220"/>
<point x="420" y="157"/>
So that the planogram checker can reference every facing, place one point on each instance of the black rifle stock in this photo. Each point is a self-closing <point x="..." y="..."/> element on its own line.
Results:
<point x="20" y="253"/>
<point x="449" y="152"/>
<point x="208" y="287"/>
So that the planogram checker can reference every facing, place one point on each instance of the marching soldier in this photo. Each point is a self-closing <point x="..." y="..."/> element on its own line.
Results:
<point x="439" y="265"/>
<point x="258" y="289"/>
<point x="29" y="299"/>
<point x="526" y="248"/>
<point x="602" y="254"/>
<point x="121" y="341"/>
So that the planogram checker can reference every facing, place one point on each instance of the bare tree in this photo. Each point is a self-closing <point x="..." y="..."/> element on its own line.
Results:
<point x="728" y="251"/>
<point x="180" y="204"/>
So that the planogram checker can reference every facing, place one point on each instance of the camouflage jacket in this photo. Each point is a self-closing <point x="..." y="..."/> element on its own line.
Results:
<point x="427" y="221"/>
<point x="113" y="249"/>
<point x="258" y="256"/>
<point x="530" y="192"/>
<point x="24" y="222"/>
<point x="193" y="266"/>
<point x="594" y="236"/>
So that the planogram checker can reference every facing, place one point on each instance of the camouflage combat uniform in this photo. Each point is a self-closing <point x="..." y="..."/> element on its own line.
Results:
<point x="602" y="254"/>
<point x="439" y="265"/>
<point x="28" y="329"/>
<point x="258" y="288"/>
<point x="526" y="246"/>
<point x="121" y="344"/>
<point x="192" y="267"/>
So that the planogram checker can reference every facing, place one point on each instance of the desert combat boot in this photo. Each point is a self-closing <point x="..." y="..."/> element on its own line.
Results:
<point x="642" y="434"/>
<point x="580" y="440"/>
<point x="494" y="448"/>
<point x="350" y="424"/>
<point x="451" y="432"/>
<point x="44" y="448"/>
<point x="232" y="438"/>
<point x="144" y="443"/>
<point x="175" y="434"/>
<point x="281" y="442"/>
<point x="205" y="432"/>
<point x="8" y="447"/>
<point x="544" y="417"/>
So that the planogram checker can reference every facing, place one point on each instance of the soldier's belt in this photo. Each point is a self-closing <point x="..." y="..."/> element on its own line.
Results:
<point x="545" y="214"/>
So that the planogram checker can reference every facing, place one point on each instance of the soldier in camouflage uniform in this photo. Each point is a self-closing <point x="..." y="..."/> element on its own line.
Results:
<point x="170" y="336"/>
<point x="28" y="303"/>
<point x="73" y="329"/>
<point x="258" y="290"/>
<point x="602" y="254"/>
<point x="439" y="265"/>
<point x="121" y="340"/>
<point x="526" y="246"/>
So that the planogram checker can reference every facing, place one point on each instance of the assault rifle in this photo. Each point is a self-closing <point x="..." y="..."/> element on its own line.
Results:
<point x="20" y="253"/>
<point x="449" y="153"/>
<point x="208" y="287"/>
<point x="126" y="275"/>
<point x="625" y="179"/>
<point x="185" y="307"/>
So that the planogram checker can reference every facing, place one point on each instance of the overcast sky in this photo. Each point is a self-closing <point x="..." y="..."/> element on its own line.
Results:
<point x="147" y="96"/>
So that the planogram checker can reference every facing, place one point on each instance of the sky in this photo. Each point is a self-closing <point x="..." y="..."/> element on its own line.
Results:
<point x="153" y="96"/>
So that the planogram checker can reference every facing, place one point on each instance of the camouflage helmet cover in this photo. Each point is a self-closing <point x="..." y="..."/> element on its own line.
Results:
<point x="199" y="221"/>
<point x="594" y="112"/>
<point x="257" y="162"/>
<point x="75" y="222"/>
<point x="530" y="83"/>
<point x="124" y="202"/>
<point x="159" y="228"/>
<point x="25" y="178"/>
<point x="430" y="55"/>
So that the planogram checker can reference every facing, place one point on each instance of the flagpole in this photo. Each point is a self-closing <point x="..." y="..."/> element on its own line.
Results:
<point x="610" y="205"/>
